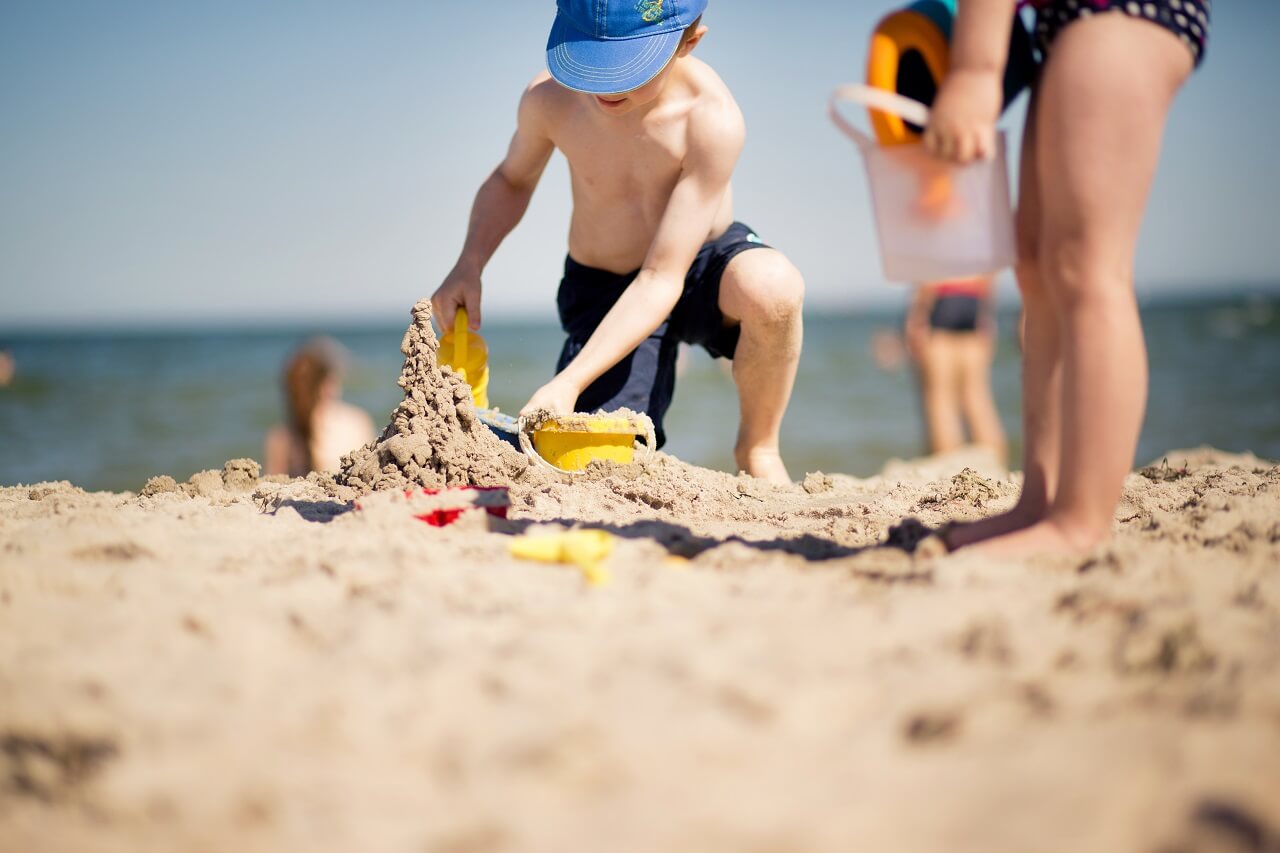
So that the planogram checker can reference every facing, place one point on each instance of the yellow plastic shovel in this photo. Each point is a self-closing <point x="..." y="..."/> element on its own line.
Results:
<point x="468" y="355"/>
<point x="586" y="549"/>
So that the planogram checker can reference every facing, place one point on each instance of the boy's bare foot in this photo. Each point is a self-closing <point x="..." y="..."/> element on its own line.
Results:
<point x="765" y="463"/>
<point x="1043" y="537"/>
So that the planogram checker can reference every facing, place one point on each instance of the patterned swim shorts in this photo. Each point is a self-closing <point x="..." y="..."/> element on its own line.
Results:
<point x="1186" y="19"/>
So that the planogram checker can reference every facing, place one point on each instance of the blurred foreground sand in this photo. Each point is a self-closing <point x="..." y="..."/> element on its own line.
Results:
<point x="242" y="664"/>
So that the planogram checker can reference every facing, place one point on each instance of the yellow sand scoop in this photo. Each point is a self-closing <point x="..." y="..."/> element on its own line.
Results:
<point x="468" y="355"/>
<point x="568" y="443"/>
<point x="586" y="549"/>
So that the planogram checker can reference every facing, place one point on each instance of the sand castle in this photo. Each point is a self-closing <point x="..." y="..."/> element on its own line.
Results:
<point x="434" y="438"/>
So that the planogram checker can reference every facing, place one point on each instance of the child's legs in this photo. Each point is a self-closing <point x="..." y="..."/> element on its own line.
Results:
<point x="762" y="291"/>
<point x="940" y="392"/>
<point x="1041" y="355"/>
<point x="1041" y="374"/>
<point x="1103" y="99"/>
<point x="973" y="356"/>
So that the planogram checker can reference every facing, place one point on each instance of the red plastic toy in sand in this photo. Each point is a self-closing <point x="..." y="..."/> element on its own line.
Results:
<point x="444" y="517"/>
<point x="441" y="507"/>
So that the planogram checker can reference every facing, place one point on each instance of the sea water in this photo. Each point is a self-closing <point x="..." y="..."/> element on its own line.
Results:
<point x="108" y="409"/>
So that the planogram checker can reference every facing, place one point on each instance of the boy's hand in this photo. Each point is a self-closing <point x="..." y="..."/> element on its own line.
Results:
<point x="962" y="123"/>
<point x="460" y="288"/>
<point x="559" y="396"/>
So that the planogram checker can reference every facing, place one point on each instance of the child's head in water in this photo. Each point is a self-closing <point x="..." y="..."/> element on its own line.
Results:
<point x="319" y="426"/>
<point x="312" y="375"/>
<point x="7" y="366"/>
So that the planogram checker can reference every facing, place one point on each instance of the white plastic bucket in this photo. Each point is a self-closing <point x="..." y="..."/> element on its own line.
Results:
<point x="935" y="220"/>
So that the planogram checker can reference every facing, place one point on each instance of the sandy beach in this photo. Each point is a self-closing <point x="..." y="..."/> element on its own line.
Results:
<point x="240" y="663"/>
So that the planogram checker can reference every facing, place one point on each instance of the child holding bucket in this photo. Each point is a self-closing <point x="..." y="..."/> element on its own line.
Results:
<point x="655" y="255"/>
<point x="1110" y="72"/>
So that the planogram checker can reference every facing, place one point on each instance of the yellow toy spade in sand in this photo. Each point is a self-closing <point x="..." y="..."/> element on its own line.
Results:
<point x="468" y="355"/>
<point x="586" y="549"/>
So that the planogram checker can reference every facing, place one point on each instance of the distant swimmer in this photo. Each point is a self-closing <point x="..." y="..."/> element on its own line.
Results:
<point x="321" y="428"/>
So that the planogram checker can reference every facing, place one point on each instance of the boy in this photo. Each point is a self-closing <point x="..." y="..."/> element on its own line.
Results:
<point x="655" y="257"/>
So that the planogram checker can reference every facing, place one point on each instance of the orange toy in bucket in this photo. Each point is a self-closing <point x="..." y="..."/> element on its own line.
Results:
<point x="909" y="52"/>
<point x="910" y="55"/>
<point x="935" y="220"/>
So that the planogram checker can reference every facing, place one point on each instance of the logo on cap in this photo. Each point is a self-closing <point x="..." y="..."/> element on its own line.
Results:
<point x="650" y="10"/>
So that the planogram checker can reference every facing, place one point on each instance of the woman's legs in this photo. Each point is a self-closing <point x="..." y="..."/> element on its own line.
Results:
<point x="1103" y="99"/>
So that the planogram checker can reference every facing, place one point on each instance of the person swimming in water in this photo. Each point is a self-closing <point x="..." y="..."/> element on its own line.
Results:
<point x="950" y="332"/>
<point x="321" y="427"/>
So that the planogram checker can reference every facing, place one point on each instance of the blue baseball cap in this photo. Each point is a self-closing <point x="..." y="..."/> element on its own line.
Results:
<point x="604" y="47"/>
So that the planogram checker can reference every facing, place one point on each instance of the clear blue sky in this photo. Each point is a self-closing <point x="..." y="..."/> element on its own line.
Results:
<point x="239" y="160"/>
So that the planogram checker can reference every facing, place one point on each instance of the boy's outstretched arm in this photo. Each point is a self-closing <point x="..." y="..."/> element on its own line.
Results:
<point x="500" y="203"/>
<point x="716" y="140"/>
<point x="962" y="124"/>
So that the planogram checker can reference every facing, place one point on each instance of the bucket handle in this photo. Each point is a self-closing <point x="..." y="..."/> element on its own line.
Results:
<point x="874" y="99"/>
<point x="526" y="427"/>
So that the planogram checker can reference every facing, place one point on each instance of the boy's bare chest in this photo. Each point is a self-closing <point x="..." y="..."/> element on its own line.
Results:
<point x="640" y="162"/>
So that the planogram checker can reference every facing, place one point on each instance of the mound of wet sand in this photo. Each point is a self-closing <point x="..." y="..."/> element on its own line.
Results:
<point x="434" y="438"/>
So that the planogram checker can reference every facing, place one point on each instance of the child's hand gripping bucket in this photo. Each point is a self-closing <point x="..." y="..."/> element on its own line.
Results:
<point x="935" y="220"/>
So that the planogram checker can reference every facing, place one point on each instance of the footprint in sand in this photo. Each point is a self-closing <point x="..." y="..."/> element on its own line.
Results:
<point x="114" y="552"/>
<point x="932" y="727"/>
<point x="1219" y="826"/>
<point x="50" y="768"/>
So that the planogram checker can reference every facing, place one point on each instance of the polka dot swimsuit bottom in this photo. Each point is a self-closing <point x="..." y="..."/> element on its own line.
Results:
<point x="1186" y="19"/>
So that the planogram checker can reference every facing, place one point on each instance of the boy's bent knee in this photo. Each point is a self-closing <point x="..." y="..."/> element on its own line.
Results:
<point x="762" y="286"/>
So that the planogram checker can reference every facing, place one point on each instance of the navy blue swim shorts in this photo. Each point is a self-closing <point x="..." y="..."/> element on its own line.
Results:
<point x="645" y="380"/>
<point x="955" y="312"/>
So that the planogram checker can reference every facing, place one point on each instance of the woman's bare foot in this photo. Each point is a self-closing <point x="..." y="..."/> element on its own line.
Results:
<point x="962" y="534"/>
<point x="765" y="463"/>
<point x="1043" y="537"/>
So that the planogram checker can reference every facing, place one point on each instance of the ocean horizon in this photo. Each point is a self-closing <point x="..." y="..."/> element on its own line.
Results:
<point x="110" y="407"/>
